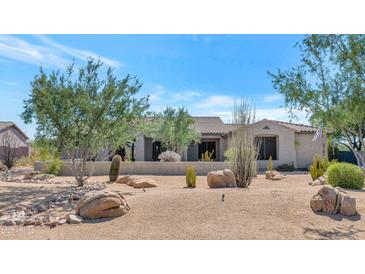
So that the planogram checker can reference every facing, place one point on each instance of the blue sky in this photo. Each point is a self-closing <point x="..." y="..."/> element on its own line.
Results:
<point x="201" y="72"/>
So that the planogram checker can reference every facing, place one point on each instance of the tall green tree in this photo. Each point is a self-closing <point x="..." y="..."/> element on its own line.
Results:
<point x="329" y="84"/>
<point x="173" y="128"/>
<point x="81" y="113"/>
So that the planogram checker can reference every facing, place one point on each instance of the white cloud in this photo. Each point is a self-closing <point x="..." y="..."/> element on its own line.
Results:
<point x="17" y="49"/>
<point x="77" y="53"/>
<point x="157" y="93"/>
<point x="10" y="83"/>
<point x="186" y="95"/>
<point x="280" y="114"/>
<point x="272" y="98"/>
<point x="222" y="101"/>
<point x="48" y="54"/>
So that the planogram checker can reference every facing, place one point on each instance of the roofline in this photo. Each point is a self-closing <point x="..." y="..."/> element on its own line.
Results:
<point x="12" y="124"/>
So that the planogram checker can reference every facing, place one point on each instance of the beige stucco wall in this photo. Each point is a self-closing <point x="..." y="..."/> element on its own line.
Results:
<point x="285" y="146"/>
<point x="306" y="148"/>
<point x="145" y="168"/>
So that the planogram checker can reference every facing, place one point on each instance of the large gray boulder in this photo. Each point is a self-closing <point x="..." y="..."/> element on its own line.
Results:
<point x="102" y="204"/>
<point x="221" y="179"/>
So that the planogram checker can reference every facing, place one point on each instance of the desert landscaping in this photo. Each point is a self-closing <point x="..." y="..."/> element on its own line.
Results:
<point x="268" y="209"/>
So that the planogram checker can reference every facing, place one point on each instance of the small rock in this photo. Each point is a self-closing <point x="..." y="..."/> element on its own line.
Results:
<point x="29" y="221"/>
<point x="62" y="221"/>
<point x="9" y="222"/>
<point x="73" y="219"/>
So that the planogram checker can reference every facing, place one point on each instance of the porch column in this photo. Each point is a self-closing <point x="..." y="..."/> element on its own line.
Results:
<point x="140" y="148"/>
<point x="221" y="150"/>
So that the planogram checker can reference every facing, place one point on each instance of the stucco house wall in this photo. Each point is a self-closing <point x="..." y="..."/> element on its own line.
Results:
<point x="294" y="143"/>
<point x="306" y="148"/>
<point x="285" y="142"/>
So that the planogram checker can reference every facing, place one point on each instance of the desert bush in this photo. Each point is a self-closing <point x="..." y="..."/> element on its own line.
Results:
<point x="269" y="165"/>
<point x="55" y="166"/>
<point x="229" y="155"/>
<point x="115" y="168"/>
<point x="190" y="176"/>
<point x="243" y="143"/>
<point x="345" y="175"/>
<point x="285" y="167"/>
<point x="24" y="162"/>
<point x="169" y="156"/>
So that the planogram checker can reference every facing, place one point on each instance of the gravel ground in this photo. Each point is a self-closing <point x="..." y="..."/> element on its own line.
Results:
<point x="266" y="210"/>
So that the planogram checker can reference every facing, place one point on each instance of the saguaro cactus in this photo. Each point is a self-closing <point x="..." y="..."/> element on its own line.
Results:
<point x="114" y="168"/>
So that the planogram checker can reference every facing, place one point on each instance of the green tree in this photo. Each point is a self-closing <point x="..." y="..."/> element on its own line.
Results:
<point x="81" y="114"/>
<point x="173" y="128"/>
<point x="329" y="84"/>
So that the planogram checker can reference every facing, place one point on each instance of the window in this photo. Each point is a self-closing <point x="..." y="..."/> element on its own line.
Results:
<point x="156" y="150"/>
<point x="207" y="146"/>
<point x="267" y="148"/>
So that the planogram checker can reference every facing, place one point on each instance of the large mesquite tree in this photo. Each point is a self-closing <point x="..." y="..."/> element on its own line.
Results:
<point x="81" y="113"/>
<point x="174" y="128"/>
<point x="329" y="84"/>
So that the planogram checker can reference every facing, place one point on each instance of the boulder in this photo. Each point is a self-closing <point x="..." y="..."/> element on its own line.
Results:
<point x="348" y="206"/>
<point x="274" y="175"/>
<point x="221" y="179"/>
<point x="334" y="201"/>
<point x="136" y="182"/>
<point x="102" y="204"/>
<point x="329" y="196"/>
<point x="125" y="179"/>
<point x="316" y="203"/>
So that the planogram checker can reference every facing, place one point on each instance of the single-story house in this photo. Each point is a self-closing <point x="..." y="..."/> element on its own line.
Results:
<point x="286" y="143"/>
<point x="12" y="136"/>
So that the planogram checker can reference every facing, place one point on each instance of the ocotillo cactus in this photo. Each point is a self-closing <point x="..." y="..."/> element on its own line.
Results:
<point x="190" y="176"/>
<point x="114" y="168"/>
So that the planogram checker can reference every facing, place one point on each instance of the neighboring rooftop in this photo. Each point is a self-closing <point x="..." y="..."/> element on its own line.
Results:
<point x="4" y="125"/>
<point x="211" y="125"/>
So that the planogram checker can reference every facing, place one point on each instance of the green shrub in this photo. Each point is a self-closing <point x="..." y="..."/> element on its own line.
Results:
<point x="229" y="155"/>
<point x="286" y="167"/>
<point x="190" y="176"/>
<point x="55" y="166"/>
<point x="345" y="175"/>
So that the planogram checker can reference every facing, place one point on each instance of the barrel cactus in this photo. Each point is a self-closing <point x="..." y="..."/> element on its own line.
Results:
<point x="190" y="176"/>
<point x="317" y="169"/>
<point x="114" y="168"/>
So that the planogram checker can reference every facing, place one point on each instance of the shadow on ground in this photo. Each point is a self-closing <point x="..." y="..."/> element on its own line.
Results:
<point x="338" y="233"/>
<point x="12" y="195"/>
<point x="339" y="217"/>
